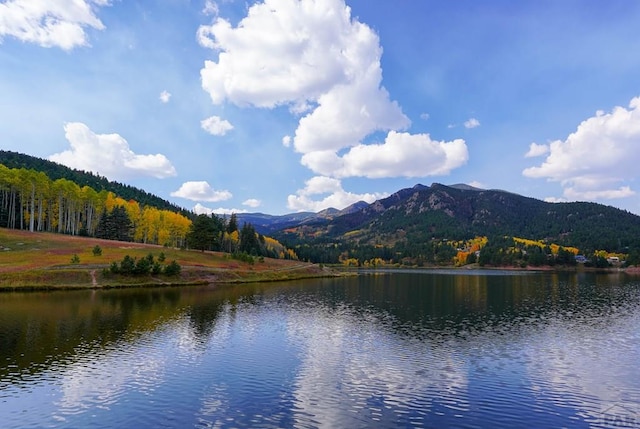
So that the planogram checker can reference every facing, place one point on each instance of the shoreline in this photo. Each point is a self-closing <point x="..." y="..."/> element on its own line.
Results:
<point x="32" y="261"/>
<point x="40" y="261"/>
<point x="58" y="278"/>
<point x="61" y="278"/>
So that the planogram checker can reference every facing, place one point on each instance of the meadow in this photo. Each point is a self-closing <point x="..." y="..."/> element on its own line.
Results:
<point x="41" y="260"/>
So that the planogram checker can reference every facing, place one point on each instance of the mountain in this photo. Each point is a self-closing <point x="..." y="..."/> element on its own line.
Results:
<point x="267" y="224"/>
<point x="409" y="222"/>
<point x="57" y="171"/>
<point x="419" y="215"/>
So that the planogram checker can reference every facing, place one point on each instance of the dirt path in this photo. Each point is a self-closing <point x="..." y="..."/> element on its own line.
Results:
<point x="94" y="282"/>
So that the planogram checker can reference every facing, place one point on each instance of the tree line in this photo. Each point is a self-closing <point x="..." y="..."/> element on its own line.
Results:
<point x="496" y="250"/>
<point x="30" y="200"/>
<point x="86" y="178"/>
<point x="214" y="233"/>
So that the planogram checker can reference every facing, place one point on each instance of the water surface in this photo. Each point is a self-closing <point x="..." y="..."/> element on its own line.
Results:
<point x="393" y="349"/>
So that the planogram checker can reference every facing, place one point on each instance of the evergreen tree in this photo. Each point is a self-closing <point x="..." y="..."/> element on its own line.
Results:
<point x="205" y="233"/>
<point x="249" y="242"/>
<point x="233" y="223"/>
<point x="121" y="224"/>
<point x="115" y="225"/>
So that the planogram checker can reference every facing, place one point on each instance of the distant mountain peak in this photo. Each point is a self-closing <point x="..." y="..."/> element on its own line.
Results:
<point x="412" y="216"/>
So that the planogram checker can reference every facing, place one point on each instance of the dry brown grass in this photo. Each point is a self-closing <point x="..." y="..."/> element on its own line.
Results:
<point x="44" y="260"/>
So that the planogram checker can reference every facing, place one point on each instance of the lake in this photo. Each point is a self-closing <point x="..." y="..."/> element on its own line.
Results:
<point x="445" y="348"/>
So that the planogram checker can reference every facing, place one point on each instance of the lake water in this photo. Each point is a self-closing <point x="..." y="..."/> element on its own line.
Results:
<point x="420" y="349"/>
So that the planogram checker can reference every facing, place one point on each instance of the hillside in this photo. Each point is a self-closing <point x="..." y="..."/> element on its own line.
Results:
<point x="57" y="171"/>
<point x="41" y="260"/>
<point x="412" y="217"/>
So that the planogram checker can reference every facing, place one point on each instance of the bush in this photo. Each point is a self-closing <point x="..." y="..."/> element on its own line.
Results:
<point x="128" y="265"/>
<point x="173" y="269"/>
<point x="97" y="250"/>
<point x="243" y="256"/>
<point x="144" y="266"/>
<point x="156" y="269"/>
<point x="75" y="259"/>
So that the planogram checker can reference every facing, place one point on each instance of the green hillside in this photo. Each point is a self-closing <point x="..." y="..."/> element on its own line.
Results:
<point x="83" y="178"/>
<point x="414" y="222"/>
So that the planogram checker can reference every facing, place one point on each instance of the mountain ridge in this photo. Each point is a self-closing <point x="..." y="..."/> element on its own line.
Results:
<point x="417" y="216"/>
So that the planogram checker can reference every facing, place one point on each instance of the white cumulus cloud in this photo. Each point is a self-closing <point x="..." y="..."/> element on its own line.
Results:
<point x="51" y="23"/>
<point x="402" y="154"/>
<point x="471" y="123"/>
<point x="200" y="191"/>
<point x="252" y="202"/>
<point x="109" y="155"/>
<point x="216" y="126"/>
<point x="200" y="209"/>
<point x="537" y="150"/>
<point x="597" y="160"/>
<point x="313" y="57"/>
<point x="322" y="192"/>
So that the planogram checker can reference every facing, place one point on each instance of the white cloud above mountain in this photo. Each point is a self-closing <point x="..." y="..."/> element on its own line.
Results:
<point x="252" y="202"/>
<point x="201" y="209"/>
<point x="401" y="155"/>
<point x="201" y="191"/>
<point x="330" y="191"/>
<point x="325" y="65"/>
<point x="598" y="160"/>
<point x="109" y="155"/>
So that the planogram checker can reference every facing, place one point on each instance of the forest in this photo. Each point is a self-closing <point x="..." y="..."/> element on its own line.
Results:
<point x="434" y="225"/>
<point x="56" y="171"/>
<point x="30" y="200"/>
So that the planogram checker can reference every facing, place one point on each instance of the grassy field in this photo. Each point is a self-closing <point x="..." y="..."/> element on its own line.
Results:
<point x="44" y="260"/>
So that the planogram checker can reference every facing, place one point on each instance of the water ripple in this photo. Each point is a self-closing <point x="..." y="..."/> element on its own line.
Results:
<point x="343" y="354"/>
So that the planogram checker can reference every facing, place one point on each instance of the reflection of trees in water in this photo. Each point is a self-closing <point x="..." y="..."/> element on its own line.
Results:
<point x="41" y="328"/>
<point x="455" y="302"/>
<point x="38" y="329"/>
<point x="202" y="318"/>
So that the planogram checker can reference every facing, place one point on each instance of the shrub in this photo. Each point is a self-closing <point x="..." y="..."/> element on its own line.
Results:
<point x="156" y="269"/>
<point x="243" y="256"/>
<point x="75" y="259"/>
<point x="143" y="266"/>
<point x="128" y="265"/>
<point x="97" y="250"/>
<point x="173" y="269"/>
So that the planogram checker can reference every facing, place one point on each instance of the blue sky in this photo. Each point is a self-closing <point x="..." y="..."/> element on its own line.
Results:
<point x="280" y="106"/>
